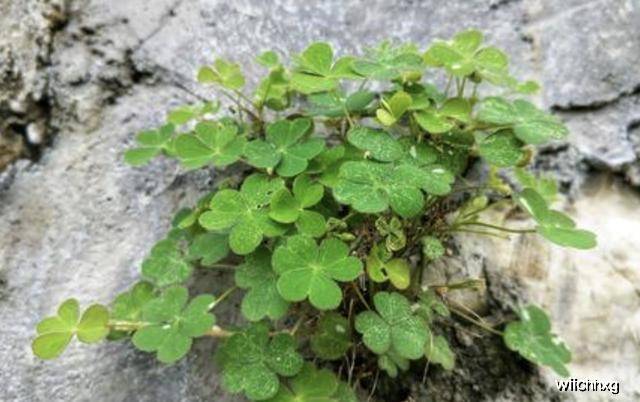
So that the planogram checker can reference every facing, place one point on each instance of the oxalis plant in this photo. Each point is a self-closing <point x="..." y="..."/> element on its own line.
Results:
<point x="351" y="183"/>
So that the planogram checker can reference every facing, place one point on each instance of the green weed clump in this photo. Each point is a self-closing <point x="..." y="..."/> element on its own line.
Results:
<point x="342" y="184"/>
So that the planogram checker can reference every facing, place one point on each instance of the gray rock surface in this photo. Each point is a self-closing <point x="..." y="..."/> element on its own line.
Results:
<point x="85" y="75"/>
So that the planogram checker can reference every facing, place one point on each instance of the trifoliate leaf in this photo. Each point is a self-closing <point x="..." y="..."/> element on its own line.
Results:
<point x="371" y="187"/>
<point x="128" y="306"/>
<point x="376" y="143"/>
<point x="152" y="143"/>
<point x="262" y="298"/>
<point x="388" y="62"/>
<point x="393" y="108"/>
<point x="273" y="90"/>
<point x="244" y="213"/>
<point x="380" y="268"/>
<point x="251" y="362"/>
<point x="443" y="119"/>
<point x="313" y="385"/>
<point x="437" y="350"/>
<point x="212" y="143"/>
<point x="554" y="225"/>
<point x="209" y="248"/>
<point x="501" y="149"/>
<point x="55" y="333"/>
<point x="332" y="336"/>
<point x="531" y="336"/>
<point x="285" y="147"/>
<point x="462" y="56"/>
<point x="289" y="208"/>
<point x="172" y="323"/>
<point x="185" y="114"/>
<point x="336" y="104"/>
<point x="529" y="124"/>
<point x="223" y="73"/>
<point x="316" y="71"/>
<point x="166" y="264"/>
<point x="395" y="238"/>
<point x="430" y="305"/>
<point x="394" y="327"/>
<point x="390" y="362"/>
<point x="309" y="271"/>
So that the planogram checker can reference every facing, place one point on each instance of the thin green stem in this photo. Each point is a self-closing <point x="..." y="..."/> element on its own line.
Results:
<point x="474" y="321"/>
<point x="501" y="228"/>
<point x="360" y="295"/>
<point x="446" y="91"/>
<point x="224" y="295"/>
<point x="479" y="232"/>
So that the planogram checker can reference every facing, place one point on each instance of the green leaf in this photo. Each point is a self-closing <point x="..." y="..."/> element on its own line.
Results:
<point x="262" y="298"/>
<point x="55" y="332"/>
<point x="166" y="264"/>
<point x="371" y="187"/>
<point x="530" y="201"/>
<point x="430" y="305"/>
<point x="309" y="271"/>
<point x="290" y="208"/>
<point x="546" y="186"/>
<point x="576" y="238"/>
<point x="336" y="104"/>
<point x="443" y="119"/>
<point x="463" y="57"/>
<point x="393" y="108"/>
<point x="332" y="336"/>
<point x="268" y="59"/>
<point x="531" y="336"/>
<point x="273" y="90"/>
<point x="285" y="147"/>
<point x="391" y="363"/>
<point x="437" y="350"/>
<point x="432" y="248"/>
<point x="501" y="149"/>
<point x="223" y="73"/>
<point x="310" y="385"/>
<point x="376" y="143"/>
<point x="393" y="328"/>
<point x="389" y="62"/>
<point x="244" y="213"/>
<point x="284" y="207"/>
<point x="212" y="143"/>
<point x="554" y="225"/>
<point x="94" y="324"/>
<point x="251" y="362"/>
<point x="529" y="124"/>
<point x="128" y="306"/>
<point x="186" y="113"/>
<point x="152" y="143"/>
<point x="380" y="268"/>
<point x="209" y="248"/>
<point x="172" y="323"/>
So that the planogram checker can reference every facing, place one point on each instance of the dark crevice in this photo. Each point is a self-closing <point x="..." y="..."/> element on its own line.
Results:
<point x="596" y="105"/>
<point x="501" y="3"/>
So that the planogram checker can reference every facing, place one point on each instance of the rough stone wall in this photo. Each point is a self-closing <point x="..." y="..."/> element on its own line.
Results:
<point x="79" y="78"/>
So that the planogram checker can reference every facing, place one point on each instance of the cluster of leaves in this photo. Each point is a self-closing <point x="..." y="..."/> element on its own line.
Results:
<point x="341" y="187"/>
